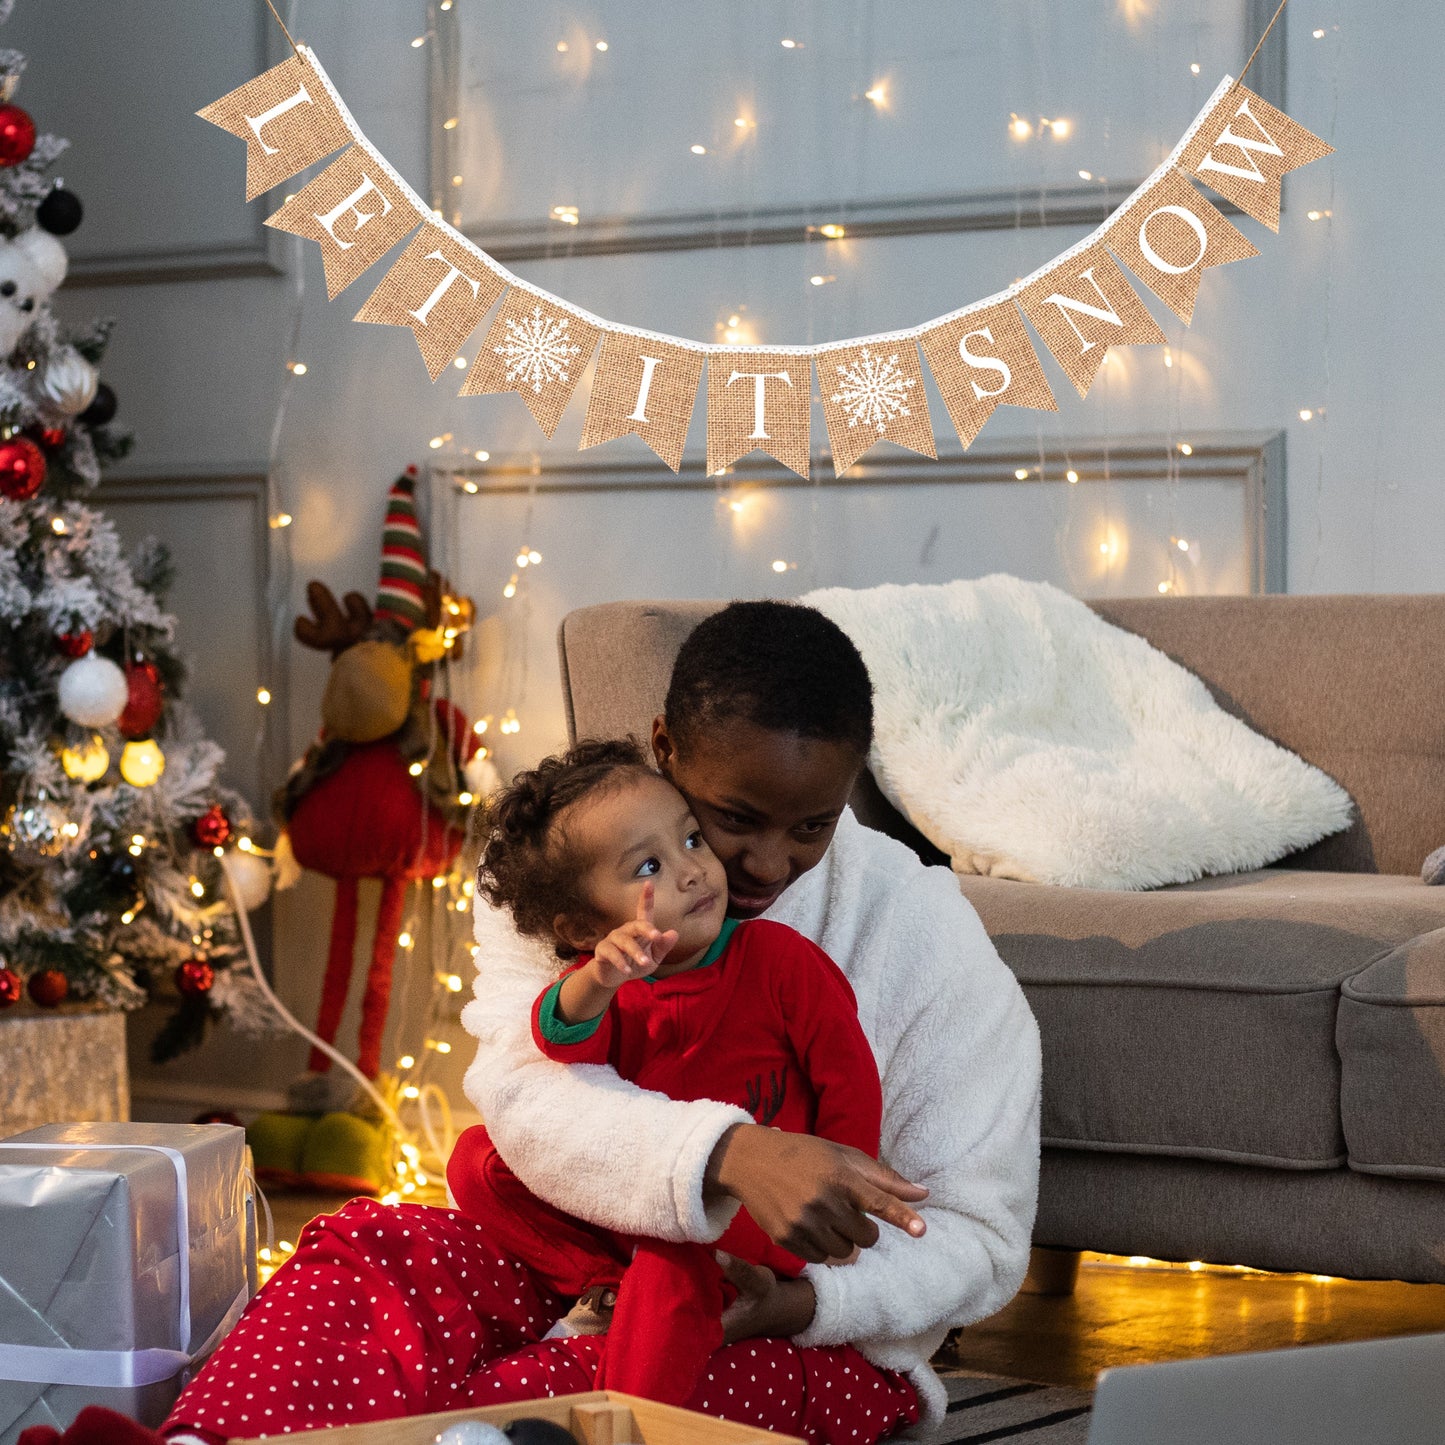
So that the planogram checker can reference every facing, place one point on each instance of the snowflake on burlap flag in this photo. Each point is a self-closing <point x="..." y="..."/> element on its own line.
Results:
<point x="873" y="391"/>
<point x="537" y="349"/>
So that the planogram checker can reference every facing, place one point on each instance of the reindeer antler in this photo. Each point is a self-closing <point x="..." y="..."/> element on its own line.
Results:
<point x="332" y="630"/>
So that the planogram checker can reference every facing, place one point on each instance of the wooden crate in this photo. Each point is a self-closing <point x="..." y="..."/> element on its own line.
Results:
<point x="602" y="1417"/>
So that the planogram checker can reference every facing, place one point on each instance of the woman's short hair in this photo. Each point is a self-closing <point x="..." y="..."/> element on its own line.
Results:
<point x="780" y="665"/>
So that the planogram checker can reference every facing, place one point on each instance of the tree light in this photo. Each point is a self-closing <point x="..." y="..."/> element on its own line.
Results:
<point x="281" y="519"/>
<point x="482" y="456"/>
<point x="417" y="769"/>
<point x="1086" y="175"/>
<point x="296" y="368"/>
<point x="404" y="939"/>
<point x="601" y="45"/>
<point x="406" y="1062"/>
<point x="1021" y="474"/>
<point x="1071" y="475"/>
<point x="57" y="525"/>
<point x="1306" y="414"/>
<point x="790" y="44"/>
<point x="833" y="231"/>
<point x="1019" y="128"/>
<point x="878" y="94"/>
<point x="1185" y="450"/>
<point x="263" y="695"/>
<point x="698" y="150"/>
<point x="1194" y="68"/>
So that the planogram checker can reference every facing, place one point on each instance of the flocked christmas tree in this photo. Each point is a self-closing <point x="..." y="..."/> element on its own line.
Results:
<point x="111" y="886"/>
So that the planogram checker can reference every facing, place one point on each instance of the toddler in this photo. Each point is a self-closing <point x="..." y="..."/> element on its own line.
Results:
<point x="601" y="856"/>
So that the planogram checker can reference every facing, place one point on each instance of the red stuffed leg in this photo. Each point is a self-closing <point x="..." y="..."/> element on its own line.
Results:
<point x="378" y="978"/>
<point x="338" y="970"/>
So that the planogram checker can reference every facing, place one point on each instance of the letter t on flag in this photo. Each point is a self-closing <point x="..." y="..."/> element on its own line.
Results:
<point x="758" y="399"/>
<point x="439" y="289"/>
<point x="287" y="119"/>
<point x="645" y="386"/>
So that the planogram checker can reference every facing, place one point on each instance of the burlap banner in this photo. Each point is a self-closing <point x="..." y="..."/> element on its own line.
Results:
<point x="647" y="387"/>
<point x="354" y="211"/>
<point x="871" y="387"/>
<point x="1245" y="148"/>
<point x="1083" y="307"/>
<point x="287" y="119"/>
<point x="537" y="349"/>
<point x="437" y="288"/>
<point x="985" y="359"/>
<point x="1170" y="236"/>
<point x="758" y="400"/>
<point x="873" y="394"/>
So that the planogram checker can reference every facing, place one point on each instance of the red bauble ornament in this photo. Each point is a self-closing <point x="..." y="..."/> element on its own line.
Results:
<point x="52" y="437"/>
<point x="75" y="644"/>
<point x="194" y="977"/>
<point x="48" y="987"/>
<point x="10" y="987"/>
<point x="17" y="135"/>
<point x="143" y="705"/>
<point x="212" y="828"/>
<point x="22" y="467"/>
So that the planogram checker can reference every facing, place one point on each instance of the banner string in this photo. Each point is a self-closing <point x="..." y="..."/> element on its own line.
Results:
<point x="297" y="48"/>
<point x="1253" y="53"/>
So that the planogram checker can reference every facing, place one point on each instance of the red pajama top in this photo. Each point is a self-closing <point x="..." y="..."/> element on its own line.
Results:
<point x="769" y="1024"/>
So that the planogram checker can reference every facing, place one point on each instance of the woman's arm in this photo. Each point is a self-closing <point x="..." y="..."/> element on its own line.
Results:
<point x="580" y="1137"/>
<point x="961" y="1116"/>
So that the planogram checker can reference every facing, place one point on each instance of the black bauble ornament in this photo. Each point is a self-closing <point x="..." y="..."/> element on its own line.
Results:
<point x="102" y="409"/>
<point x="117" y="871"/>
<point x="60" y="212"/>
<point x="532" y="1430"/>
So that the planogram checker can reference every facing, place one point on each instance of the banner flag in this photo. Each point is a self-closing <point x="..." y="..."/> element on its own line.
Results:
<point x="536" y="349"/>
<point x="1245" y="148"/>
<point x="354" y="210"/>
<point x="438" y="289"/>
<point x="759" y="400"/>
<point x="643" y="386"/>
<point x="873" y="393"/>
<point x="872" y="387"/>
<point x="1084" y="306"/>
<point x="985" y="359"/>
<point x="1170" y="236"/>
<point x="287" y="120"/>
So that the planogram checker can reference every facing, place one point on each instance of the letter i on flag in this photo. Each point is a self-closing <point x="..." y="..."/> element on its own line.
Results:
<point x="287" y="119"/>
<point x="644" y="386"/>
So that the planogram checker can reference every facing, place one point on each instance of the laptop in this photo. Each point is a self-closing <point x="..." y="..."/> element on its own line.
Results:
<point x="1375" y="1392"/>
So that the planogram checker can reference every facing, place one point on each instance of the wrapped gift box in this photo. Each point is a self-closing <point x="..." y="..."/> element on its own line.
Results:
<point x="602" y="1417"/>
<point x="126" y="1252"/>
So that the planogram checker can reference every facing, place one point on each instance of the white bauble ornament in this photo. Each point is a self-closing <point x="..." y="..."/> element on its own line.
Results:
<point x="93" y="691"/>
<point x="472" y="1432"/>
<point x="482" y="777"/>
<point x="46" y="254"/>
<point x="251" y="876"/>
<point x="69" y="382"/>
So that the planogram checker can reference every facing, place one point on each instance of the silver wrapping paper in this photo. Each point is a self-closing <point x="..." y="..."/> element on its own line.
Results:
<point x="89" y="1257"/>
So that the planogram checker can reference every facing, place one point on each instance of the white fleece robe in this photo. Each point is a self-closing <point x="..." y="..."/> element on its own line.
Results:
<point x="958" y="1055"/>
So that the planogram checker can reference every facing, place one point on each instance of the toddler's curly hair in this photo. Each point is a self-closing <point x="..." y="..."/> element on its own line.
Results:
<point x="528" y="865"/>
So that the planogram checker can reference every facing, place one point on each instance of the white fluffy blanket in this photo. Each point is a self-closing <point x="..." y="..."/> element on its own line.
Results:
<point x="1028" y="738"/>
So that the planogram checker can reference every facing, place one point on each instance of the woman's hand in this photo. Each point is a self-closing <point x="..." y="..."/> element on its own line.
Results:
<point x="811" y="1196"/>
<point x="766" y="1306"/>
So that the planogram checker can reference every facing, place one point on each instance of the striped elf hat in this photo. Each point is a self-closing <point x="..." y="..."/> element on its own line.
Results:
<point x="403" y="561"/>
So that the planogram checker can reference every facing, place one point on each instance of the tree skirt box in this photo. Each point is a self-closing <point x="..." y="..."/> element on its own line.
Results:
<point x="126" y="1252"/>
<point x="602" y="1417"/>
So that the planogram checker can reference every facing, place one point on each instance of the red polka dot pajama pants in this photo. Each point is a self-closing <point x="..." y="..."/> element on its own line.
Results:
<point x="400" y="1310"/>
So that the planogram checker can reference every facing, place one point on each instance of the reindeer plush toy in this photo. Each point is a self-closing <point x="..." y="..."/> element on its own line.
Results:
<point x="378" y="794"/>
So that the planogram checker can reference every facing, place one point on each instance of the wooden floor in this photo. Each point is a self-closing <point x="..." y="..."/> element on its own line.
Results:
<point x="1119" y="1315"/>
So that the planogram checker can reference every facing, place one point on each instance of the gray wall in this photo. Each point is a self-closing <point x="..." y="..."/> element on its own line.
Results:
<point x="1343" y="314"/>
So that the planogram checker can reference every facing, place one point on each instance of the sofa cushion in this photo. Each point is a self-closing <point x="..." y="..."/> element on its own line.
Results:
<point x="1200" y="1020"/>
<point x="1392" y="1057"/>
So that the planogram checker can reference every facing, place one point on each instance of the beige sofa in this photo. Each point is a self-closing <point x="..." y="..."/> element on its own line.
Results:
<point x="1249" y="1069"/>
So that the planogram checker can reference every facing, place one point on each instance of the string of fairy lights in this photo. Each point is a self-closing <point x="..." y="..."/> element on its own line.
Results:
<point x="435" y="921"/>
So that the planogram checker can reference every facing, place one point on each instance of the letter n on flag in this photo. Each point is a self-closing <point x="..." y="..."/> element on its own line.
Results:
<point x="1084" y="306"/>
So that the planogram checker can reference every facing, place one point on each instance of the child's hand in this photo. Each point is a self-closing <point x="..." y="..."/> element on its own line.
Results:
<point x="636" y="949"/>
